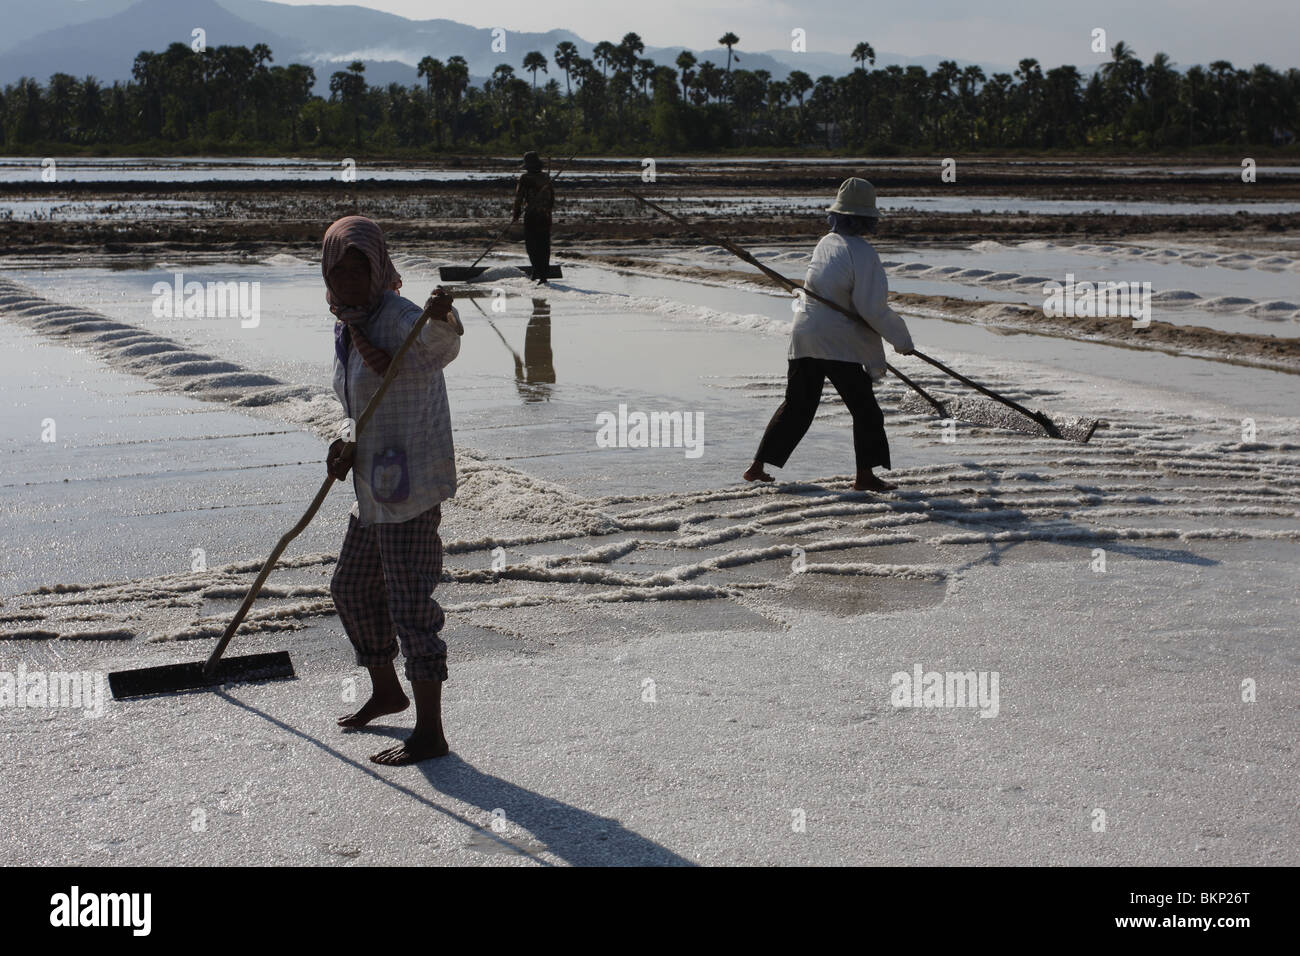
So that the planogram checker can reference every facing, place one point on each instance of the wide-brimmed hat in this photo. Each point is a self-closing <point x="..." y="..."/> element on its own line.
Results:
<point x="532" y="160"/>
<point x="856" y="197"/>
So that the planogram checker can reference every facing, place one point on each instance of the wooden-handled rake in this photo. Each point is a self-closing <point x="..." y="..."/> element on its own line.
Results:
<point x="173" y="678"/>
<point x="970" y="410"/>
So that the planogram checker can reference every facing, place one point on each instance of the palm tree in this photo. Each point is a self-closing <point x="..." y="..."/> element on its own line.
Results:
<point x="349" y="87"/>
<point x="686" y="63"/>
<point x="295" y="93"/>
<point x="729" y="40"/>
<point x="799" y="83"/>
<point x="606" y="54"/>
<point x="822" y="104"/>
<point x="645" y="69"/>
<point x="1223" y="75"/>
<point x="456" y="75"/>
<point x="432" y="71"/>
<point x="864" y="54"/>
<point x="709" y="79"/>
<point x="629" y="49"/>
<point x="945" y="77"/>
<point x="1191" y="90"/>
<point x="967" y="88"/>
<point x="1162" y="92"/>
<point x="566" y="55"/>
<point x="89" y="109"/>
<point x="147" y="73"/>
<point x="533" y="62"/>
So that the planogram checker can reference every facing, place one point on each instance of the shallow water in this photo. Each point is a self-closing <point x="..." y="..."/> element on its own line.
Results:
<point x="682" y="333"/>
<point x="1232" y="292"/>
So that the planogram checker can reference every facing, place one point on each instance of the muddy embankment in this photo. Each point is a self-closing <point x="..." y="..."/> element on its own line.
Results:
<point x="264" y="215"/>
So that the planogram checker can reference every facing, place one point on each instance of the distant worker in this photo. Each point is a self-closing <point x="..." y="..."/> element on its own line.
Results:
<point x="535" y="197"/>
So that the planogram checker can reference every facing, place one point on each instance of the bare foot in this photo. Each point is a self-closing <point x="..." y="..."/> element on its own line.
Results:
<point x="376" y="706"/>
<point x="756" y="473"/>
<point x="870" y="482"/>
<point x="415" y="749"/>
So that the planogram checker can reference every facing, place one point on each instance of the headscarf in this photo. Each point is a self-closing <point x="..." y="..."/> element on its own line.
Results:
<point x="364" y="235"/>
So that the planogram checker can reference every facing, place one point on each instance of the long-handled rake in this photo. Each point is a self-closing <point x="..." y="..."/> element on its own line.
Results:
<point x="172" y="678"/>
<point x="967" y="409"/>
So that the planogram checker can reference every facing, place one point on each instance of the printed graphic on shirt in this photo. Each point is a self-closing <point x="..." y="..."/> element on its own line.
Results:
<point x="389" y="480"/>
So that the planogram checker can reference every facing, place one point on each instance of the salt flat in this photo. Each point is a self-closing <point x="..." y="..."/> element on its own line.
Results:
<point x="1121" y="690"/>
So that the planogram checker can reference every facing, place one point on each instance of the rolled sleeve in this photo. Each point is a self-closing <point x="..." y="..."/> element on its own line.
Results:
<point x="442" y="339"/>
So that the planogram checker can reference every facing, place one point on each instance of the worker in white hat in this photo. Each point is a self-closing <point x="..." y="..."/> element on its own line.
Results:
<point x="826" y="344"/>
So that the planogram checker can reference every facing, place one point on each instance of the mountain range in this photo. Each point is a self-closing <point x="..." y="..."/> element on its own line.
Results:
<point x="101" y="38"/>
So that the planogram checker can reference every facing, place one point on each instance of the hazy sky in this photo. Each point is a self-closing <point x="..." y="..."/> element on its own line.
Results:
<point x="998" y="31"/>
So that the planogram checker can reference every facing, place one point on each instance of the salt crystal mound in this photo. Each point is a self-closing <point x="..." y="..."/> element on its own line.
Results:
<point x="286" y="259"/>
<point x="1272" y="309"/>
<point x="982" y="411"/>
<point x="168" y="363"/>
<point x="1196" y="257"/>
<point x="1155" y="484"/>
<point x="499" y="492"/>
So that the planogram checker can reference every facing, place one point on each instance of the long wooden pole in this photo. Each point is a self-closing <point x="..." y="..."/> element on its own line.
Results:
<point x="431" y="308"/>
<point x="790" y="284"/>
<point x="491" y="245"/>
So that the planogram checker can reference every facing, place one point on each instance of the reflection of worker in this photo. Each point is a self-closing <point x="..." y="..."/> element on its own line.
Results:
<point x="536" y="374"/>
<point x="535" y="197"/>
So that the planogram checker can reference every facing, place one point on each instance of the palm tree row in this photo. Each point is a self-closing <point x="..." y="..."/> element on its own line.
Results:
<point x="232" y="97"/>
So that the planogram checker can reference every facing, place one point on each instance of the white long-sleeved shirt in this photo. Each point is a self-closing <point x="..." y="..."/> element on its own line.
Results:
<point x="405" y="459"/>
<point x="847" y="270"/>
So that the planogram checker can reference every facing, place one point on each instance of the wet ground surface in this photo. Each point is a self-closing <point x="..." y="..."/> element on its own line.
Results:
<point x="1120" y="588"/>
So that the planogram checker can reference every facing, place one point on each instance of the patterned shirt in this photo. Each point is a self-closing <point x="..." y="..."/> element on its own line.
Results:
<point x="405" y="461"/>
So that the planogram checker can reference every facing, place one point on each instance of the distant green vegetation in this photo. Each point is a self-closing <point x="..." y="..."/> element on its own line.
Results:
<point x="230" y="99"/>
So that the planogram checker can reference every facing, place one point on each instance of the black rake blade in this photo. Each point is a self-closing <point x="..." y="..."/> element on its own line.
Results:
<point x="171" y="678"/>
<point x="470" y="273"/>
<point x="460" y="273"/>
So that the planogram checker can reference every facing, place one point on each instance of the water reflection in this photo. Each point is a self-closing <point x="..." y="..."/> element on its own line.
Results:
<point x="535" y="369"/>
<point x="535" y="376"/>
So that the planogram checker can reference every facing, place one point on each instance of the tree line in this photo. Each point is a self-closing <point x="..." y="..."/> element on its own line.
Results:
<point x="235" y="98"/>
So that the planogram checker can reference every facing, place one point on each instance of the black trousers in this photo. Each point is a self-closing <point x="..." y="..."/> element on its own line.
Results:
<point x="803" y="393"/>
<point x="537" y="240"/>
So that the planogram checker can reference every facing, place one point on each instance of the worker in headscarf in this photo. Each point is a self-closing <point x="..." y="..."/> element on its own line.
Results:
<point x="404" y="466"/>
<point x="826" y="344"/>
<point x="535" y="198"/>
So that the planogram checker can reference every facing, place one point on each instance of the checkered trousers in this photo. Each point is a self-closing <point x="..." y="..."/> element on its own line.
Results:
<point x="384" y="583"/>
